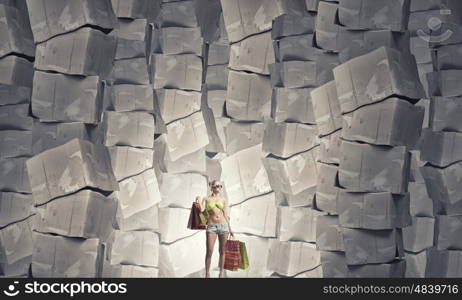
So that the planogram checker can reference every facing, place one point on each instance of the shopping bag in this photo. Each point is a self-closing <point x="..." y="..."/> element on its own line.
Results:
<point x="244" y="257"/>
<point x="232" y="255"/>
<point x="197" y="220"/>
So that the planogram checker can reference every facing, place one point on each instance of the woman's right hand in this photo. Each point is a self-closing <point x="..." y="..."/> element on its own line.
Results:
<point x="198" y="199"/>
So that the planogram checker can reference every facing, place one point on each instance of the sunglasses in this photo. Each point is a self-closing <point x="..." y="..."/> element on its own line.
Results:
<point x="217" y="186"/>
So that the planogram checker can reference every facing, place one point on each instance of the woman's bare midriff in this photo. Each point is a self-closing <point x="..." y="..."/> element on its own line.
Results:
<point x="215" y="215"/>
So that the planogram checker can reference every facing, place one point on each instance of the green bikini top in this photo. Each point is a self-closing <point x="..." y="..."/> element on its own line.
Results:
<point x="211" y="205"/>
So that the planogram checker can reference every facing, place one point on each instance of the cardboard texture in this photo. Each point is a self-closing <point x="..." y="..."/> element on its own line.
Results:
<point x="133" y="248"/>
<point x="297" y="223"/>
<point x="58" y="257"/>
<point x="416" y="264"/>
<point x="327" y="29"/>
<point x="367" y="168"/>
<point x="137" y="193"/>
<point x="240" y="136"/>
<point x="443" y="184"/>
<point x="294" y="174"/>
<point x="287" y="139"/>
<point x="218" y="54"/>
<point x="304" y="198"/>
<point x="177" y="40"/>
<point x="443" y="264"/>
<point x="14" y="176"/>
<point x="15" y="80"/>
<point x="129" y="97"/>
<point x="86" y="214"/>
<point x="130" y="71"/>
<point x="446" y="57"/>
<point x="327" y="190"/>
<point x="135" y="129"/>
<point x="69" y="168"/>
<point x="444" y="114"/>
<point x="292" y="105"/>
<point x="178" y="14"/>
<point x="326" y="108"/>
<point x="176" y="104"/>
<point x="216" y="101"/>
<point x="421" y="205"/>
<point x="333" y="264"/>
<point x="290" y="25"/>
<point x="16" y="242"/>
<point x="244" y="176"/>
<point x="134" y="9"/>
<point x="375" y="76"/>
<point x="57" y="97"/>
<point x="83" y="52"/>
<point x="15" y="31"/>
<point x="217" y="77"/>
<point x="129" y="271"/>
<point x="441" y="148"/>
<point x="444" y="83"/>
<point x="179" y="190"/>
<point x="132" y="38"/>
<point x="248" y="97"/>
<point x="291" y="258"/>
<point x="393" y="122"/>
<point x="15" y="143"/>
<point x="129" y="161"/>
<point x="252" y="54"/>
<point x="15" y="207"/>
<point x="176" y="71"/>
<point x="329" y="150"/>
<point x="186" y="136"/>
<point x="295" y="74"/>
<point x="255" y="216"/>
<point x="419" y="236"/>
<point x="329" y="235"/>
<point x="15" y="117"/>
<point x="147" y="219"/>
<point x="395" y="269"/>
<point x="447" y="232"/>
<point x="174" y="224"/>
<point x="299" y="47"/>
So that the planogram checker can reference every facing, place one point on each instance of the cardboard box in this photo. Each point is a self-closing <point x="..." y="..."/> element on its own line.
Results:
<point x="297" y="223"/>
<point x="395" y="269"/>
<point x="421" y="205"/>
<point x="292" y="105"/>
<point x="375" y="76"/>
<point x="186" y="136"/>
<point x="213" y="166"/>
<point x="178" y="14"/>
<point x="312" y="5"/>
<point x="15" y="31"/>
<point x="85" y="214"/>
<point x="49" y="18"/>
<point x="132" y="38"/>
<point x="147" y="219"/>
<point x="137" y="193"/>
<point x="419" y="235"/>
<point x="135" y="9"/>
<point x="444" y="184"/>
<point x="393" y="122"/>
<point x="13" y="175"/>
<point x="65" y="98"/>
<point x="294" y="174"/>
<point x="416" y="167"/>
<point x="133" y="248"/>
<point x="299" y="47"/>
<point x="447" y="232"/>
<point x="444" y="83"/>
<point x="441" y="148"/>
<point x="444" y="114"/>
<point x="329" y="235"/>
<point x="355" y="43"/>
<point x="327" y="29"/>
<point x="218" y="54"/>
<point x="16" y="242"/>
<point x="327" y="190"/>
<point x="129" y="161"/>
<point x="215" y="131"/>
<point x="304" y="198"/>
<point x="329" y="151"/>
<point x="364" y="246"/>
<point x="382" y="14"/>
<point x="252" y="54"/>
<point x="291" y="258"/>
<point x="216" y="101"/>
<point x="423" y="70"/>
<point x="443" y="263"/>
<point x="58" y="257"/>
<point x="421" y="49"/>
<point x="446" y="57"/>
<point x="135" y="129"/>
<point x="255" y="216"/>
<point x="249" y="96"/>
<point x="287" y="139"/>
<point x="416" y="263"/>
<point x="240" y="136"/>
<point x="19" y="269"/>
<point x="69" y="168"/>
<point x="192" y="162"/>
<point x="425" y="104"/>
<point x="129" y="271"/>
<point x="130" y="71"/>
<point x="176" y="104"/>
<point x="15" y="117"/>
<point x="367" y="168"/>
<point x="128" y="97"/>
<point x="217" y="77"/>
<point x="258" y="15"/>
<point x="15" y="80"/>
<point x="290" y="25"/>
<point x="180" y="190"/>
<point x="15" y="207"/>
<point x="326" y="108"/>
<point x="15" y="143"/>
<point x="83" y="52"/>
<point x="333" y="264"/>
<point x="176" y="71"/>
<point x="177" y="40"/>
<point x="174" y="224"/>
<point x="244" y="176"/>
<point x="294" y="74"/>
<point x="49" y="135"/>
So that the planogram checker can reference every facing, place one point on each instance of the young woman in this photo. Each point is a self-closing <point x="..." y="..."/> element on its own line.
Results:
<point x="216" y="211"/>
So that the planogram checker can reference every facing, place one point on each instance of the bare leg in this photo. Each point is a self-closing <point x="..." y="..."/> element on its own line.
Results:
<point x="210" y="243"/>
<point x="222" y="238"/>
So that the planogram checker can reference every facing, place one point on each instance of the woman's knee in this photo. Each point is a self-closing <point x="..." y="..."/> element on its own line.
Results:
<point x="209" y="252"/>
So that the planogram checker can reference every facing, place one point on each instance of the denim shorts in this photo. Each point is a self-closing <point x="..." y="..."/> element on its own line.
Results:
<point x="218" y="228"/>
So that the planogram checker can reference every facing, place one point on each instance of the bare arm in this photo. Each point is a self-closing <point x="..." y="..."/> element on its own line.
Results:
<point x="200" y="201"/>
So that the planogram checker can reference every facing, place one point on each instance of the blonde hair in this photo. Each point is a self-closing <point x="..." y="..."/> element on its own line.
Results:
<point x="213" y="182"/>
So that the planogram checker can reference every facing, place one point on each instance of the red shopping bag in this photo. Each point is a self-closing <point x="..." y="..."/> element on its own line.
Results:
<point x="232" y="255"/>
<point x="196" y="220"/>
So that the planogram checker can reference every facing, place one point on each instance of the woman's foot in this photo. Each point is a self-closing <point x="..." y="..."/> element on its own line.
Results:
<point x="222" y="274"/>
<point x="207" y="275"/>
